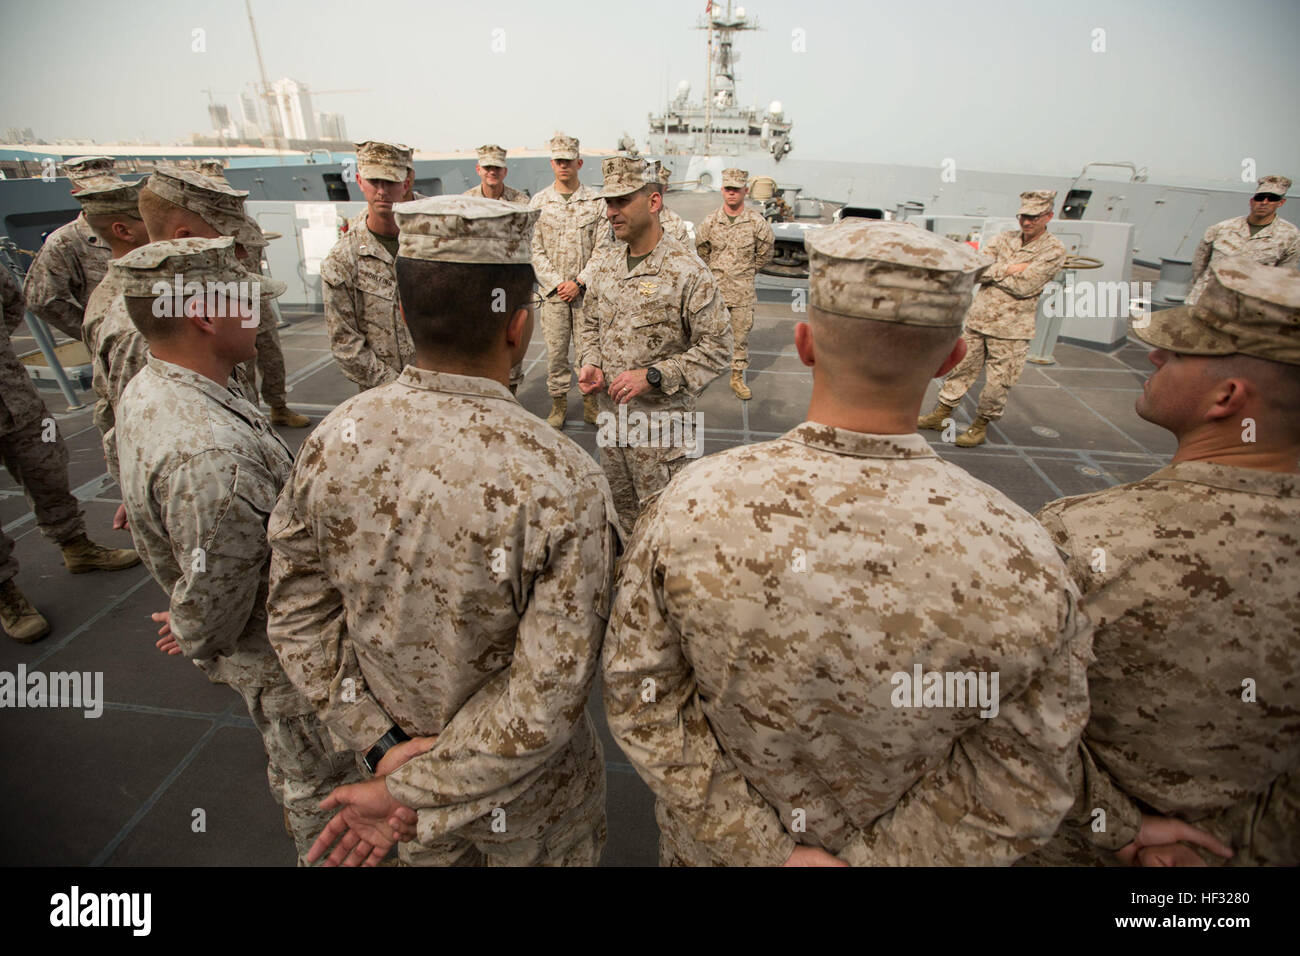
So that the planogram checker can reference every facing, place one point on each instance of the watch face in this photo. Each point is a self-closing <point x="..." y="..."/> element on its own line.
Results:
<point x="653" y="376"/>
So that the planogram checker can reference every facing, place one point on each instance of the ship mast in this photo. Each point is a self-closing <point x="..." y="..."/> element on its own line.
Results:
<point x="267" y="94"/>
<point x="708" y="82"/>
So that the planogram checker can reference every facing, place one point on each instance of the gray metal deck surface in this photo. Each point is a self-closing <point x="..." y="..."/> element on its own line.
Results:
<point x="121" y="789"/>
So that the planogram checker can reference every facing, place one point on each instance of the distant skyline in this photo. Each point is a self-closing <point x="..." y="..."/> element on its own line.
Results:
<point x="1188" y="89"/>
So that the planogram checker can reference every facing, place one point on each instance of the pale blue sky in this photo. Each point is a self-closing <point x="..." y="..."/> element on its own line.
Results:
<point x="1187" y="88"/>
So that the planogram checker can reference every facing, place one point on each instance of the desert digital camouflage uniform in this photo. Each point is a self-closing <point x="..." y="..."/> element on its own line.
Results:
<point x="1000" y="323"/>
<point x="64" y="273"/>
<point x="567" y="233"/>
<point x="510" y="195"/>
<point x="735" y="251"/>
<point x="1277" y="244"/>
<point x="200" y="471"/>
<point x="368" y="335"/>
<point x="456" y="568"/>
<point x="40" y="467"/>
<point x="665" y="312"/>
<point x="773" y="590"/>
<point x="675" y="226"/>
<point x="1192" y="577"/>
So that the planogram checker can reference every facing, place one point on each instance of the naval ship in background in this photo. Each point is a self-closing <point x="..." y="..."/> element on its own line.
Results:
<point x="123" y="790"/>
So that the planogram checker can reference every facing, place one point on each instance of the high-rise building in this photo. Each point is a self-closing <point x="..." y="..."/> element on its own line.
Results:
<point x="293" y="109"/>
<point x="252" y="125"/>
<point x="332" y="126"/>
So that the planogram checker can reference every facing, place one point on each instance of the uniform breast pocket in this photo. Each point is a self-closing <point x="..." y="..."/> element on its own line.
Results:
<point x="375" y="283"/>
<point x="657" y="331"/>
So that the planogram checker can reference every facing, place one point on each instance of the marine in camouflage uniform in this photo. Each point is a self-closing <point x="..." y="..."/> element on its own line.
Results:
<point x="359" y="279"/>
<point x="776" y="597"/>
<point x="34" y="454"/>
<point x="73" y="259"/>
<point x="454" y="571"/>
<point x="572" y="217"/>
<point x="1000" y="324"/>
<point x="490" y="159"/>
<point x="672" y="223"/>
<point x="201" y="469"/>
<point x="1192" y="577"/>
<point x="660" y="318"/>
<point x="117" y="349"/>
<point x="1262" y="236"/>
<point x="736" y="241"/>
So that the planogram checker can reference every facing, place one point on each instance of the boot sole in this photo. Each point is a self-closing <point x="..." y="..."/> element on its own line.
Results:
<point x="33" y="638"/>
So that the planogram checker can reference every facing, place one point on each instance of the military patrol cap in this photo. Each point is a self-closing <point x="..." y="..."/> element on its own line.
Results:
<point x="564" y="147"/>
<point x="1035" y="202"/>
<point x="1273" y="185"/>
<point x="111" y="199"/>
<point x="214" y="202"/>
<point x="664" y="173"/>
<point x="391" y="161"/>
<point x="142" y="270"/>
<point x="86" y="171"/>
<point x="465" y="229"/>
<point x="491" y="156"/>
<point x="1247" y="308"/>
<point x="213" y="169"/>
<point x="738" y="178"/>
<point x="625" y="175"/>
<point x="891" y="272"/>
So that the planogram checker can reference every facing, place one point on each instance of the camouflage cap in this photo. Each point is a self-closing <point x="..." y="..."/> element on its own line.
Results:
<point x="213" y="168"/>
<point x="214" y="202"/>
<point x="1273" y="185"/>
<point x="86" y="171"/>
<point x="664" y="173"/>
<point x="891" y="272"/>
<point x="491" y="156"/>
<point x="1257" y="306"/>
<point x="390" y="161"/>
<point x="625" y="175"/>
<point x="1035" y="202"/>
<point x="564" y="147"/>
<point x="465" y="229"/>
<point x="735" y="178"/>
<point x="157" y="268"/>
<point x="111" y="199"/>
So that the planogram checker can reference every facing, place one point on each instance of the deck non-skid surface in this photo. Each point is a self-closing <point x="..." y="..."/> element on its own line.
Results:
<point x="127" y="788"/>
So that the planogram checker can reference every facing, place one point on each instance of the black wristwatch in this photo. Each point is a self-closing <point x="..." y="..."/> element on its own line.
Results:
<point x="385" y="743"/>
<point x="654" y="376"/>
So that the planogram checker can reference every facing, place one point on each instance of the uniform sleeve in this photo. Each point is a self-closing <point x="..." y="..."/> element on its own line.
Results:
<point x="1201" y="258"/>
<point x="764" y="244"/>
<point x="125" y="354"/>
<point x="356" y="359"/>
<point x="1291" y="256"/>
<point x="1042" y="268"/>
<point x="523" y="715"/>
<point x="654" y="713"/>
<point x="587" y="347"/>
<point x="711" y="342"/>
<point x="605" y="243"/>
<point x="1006" y="784"/>
<point x="702" y="233"/>
<point x="213" y="508"/>
<point x="51" y="293"/>
<point x="14" y="307"/>
<point x="307" y="627"/>
<point x="548" y="277"/>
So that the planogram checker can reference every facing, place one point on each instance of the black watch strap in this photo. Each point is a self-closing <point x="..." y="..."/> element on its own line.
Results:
<point x="385" y="743"/>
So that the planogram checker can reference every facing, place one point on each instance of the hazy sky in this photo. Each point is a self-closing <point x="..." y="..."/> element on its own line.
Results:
<point x="1187" y="88"/>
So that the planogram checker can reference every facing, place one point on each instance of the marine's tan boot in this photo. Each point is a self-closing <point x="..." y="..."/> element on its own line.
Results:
<point x="738" y="386"/>
<point x="974" y="435"/>
<point x="934" y="421"/>
<point x="21" y="621"/>
<point x="81" y="554"/>
<point x="284" y="415"/>
<point x="559" y="408"/>
<point x="589" y="409"/>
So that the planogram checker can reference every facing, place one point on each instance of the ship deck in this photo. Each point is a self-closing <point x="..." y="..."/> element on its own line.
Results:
<point x="121" y="789"/>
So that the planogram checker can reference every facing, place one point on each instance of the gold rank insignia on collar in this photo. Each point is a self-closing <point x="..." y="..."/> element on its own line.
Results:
<point x="648" y="288"/>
